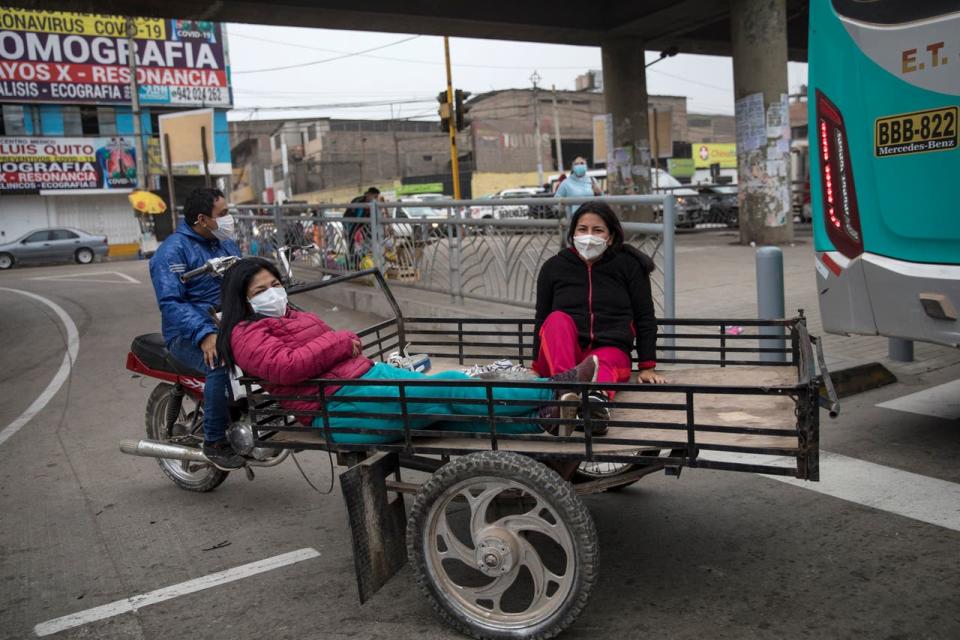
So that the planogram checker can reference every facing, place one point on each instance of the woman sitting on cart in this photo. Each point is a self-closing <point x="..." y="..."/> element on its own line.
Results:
<point x="286" y="347"/>
<point x="593" y="298"/>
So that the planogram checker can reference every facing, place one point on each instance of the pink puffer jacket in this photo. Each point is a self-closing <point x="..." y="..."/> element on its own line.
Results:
<point x="297" y="347"/>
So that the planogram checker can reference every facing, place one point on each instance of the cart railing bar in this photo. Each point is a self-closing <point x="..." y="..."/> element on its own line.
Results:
<point x="751" y="363"/>
<point x="624" y="424"/>
<point x="617" y="387"/>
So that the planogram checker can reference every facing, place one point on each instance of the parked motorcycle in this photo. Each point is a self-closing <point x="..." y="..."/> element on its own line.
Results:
<point x="174" y="414"/>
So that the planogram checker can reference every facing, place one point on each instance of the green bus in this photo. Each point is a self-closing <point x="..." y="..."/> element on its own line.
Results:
<point x="884" y="94"/>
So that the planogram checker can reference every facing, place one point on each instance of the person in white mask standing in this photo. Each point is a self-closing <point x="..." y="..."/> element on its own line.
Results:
<point x="578" y="184"/>
<point x="594" y="298"/>
<point x="188" y="329"/>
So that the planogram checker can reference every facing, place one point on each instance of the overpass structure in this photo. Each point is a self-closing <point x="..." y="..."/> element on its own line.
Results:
<point x="760" y="36"/>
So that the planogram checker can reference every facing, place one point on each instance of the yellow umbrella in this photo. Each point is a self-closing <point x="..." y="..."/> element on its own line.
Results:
<point x="146" y="202"/>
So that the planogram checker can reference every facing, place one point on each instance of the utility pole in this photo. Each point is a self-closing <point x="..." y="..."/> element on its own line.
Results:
<point x="556" y="130"/>
<point x="454" y="158"/>
<point x="131" y="28"/>
<point x="396" y="144"/>
<point x="535" y="78"/>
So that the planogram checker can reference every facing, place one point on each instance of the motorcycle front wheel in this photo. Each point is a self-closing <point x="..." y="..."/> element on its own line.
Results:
<point x="186" y="475"/>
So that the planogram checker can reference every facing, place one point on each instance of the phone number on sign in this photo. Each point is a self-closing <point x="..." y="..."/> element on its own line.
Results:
<point x="214" y="95"/>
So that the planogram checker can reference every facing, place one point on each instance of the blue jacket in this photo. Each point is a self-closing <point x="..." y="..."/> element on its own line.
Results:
<point x="185" y="307"/>
<point x="574" y="187"/>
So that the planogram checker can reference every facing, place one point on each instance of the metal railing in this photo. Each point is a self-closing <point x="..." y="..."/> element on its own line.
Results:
<point x="486" y="249"/>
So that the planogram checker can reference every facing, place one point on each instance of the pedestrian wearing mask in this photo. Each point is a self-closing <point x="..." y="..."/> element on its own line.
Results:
<point x="188" y="328"/>
<point x="578" y="184"/>
<point x="594" y="298"/>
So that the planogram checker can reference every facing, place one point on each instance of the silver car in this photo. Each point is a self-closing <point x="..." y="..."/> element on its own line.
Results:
<point x="53" y="245"/>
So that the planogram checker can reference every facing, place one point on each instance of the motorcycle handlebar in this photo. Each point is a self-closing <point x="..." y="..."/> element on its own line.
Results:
<point x="199" y="271"/>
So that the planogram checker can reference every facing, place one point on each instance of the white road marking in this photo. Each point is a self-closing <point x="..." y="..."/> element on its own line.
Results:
<point x="876" y="486"/>
<point x="69" y="358"/>
<point x="942" y="401"/>
<point x="84" y="277"/>
<point x="133" y="603"/>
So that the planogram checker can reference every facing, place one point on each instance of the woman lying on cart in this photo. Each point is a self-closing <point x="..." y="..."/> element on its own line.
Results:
<point x="268" y="339"/>
<point x="594" y="299"/>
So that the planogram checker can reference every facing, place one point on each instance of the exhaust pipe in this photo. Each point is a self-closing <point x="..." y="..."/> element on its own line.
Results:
<point x="154" y="449"/>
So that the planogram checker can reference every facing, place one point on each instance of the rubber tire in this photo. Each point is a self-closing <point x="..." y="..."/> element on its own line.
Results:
<point x="548" y="484"/>
<point x="86" y="253"/>
<point x="582" y="477"/>
<point x="155" y="419"/>
<point x="12" y="261"/>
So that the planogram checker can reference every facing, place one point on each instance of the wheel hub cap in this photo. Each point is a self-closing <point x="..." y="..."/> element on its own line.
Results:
<point x="496" y="551"/>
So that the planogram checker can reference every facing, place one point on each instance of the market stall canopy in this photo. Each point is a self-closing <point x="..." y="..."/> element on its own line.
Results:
<point x="146" y="202"/>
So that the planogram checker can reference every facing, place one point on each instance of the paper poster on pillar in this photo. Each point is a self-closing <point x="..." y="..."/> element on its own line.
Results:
<point x="750" y="123"/>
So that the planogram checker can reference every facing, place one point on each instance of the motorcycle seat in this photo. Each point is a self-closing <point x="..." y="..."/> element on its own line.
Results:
<point x="152" y="351"/>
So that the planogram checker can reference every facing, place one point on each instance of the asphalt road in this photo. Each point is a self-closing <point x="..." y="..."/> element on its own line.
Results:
<point x="711" y="554"/>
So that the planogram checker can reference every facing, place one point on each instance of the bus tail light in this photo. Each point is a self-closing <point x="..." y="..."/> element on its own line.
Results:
<point x="840" y="213"/>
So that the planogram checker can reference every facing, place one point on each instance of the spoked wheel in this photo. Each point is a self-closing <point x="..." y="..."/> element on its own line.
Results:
<point x="191" y="476"/>
<point x="502" y="547"/>
<point x="588" y="471"/>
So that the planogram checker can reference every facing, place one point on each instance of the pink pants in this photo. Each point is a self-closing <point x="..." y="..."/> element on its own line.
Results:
<point x="560" y="350"/>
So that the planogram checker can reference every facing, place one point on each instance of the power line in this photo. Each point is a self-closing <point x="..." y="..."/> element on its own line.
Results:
<point x="406" y="60"/>
<point x="340" y="57"/>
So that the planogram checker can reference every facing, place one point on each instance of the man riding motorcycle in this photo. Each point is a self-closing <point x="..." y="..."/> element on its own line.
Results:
<point x="188" y="327"/>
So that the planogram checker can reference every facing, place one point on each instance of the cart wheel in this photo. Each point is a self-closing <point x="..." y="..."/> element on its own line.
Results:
<point x="502" y="547"/>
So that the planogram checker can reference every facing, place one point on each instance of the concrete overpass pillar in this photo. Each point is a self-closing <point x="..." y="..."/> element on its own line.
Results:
<point x="625" y="93"/>
<point x="759" y="36"/>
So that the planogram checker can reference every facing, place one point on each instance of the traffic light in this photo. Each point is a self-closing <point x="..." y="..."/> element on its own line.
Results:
<point x="444" y="111"/>
<point x="462" y="109"/>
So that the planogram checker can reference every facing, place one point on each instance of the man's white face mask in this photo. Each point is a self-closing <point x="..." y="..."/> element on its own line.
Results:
<point x="272" y="302"/>
<point x="225" y="228"/>
<point x="589" y="246"/>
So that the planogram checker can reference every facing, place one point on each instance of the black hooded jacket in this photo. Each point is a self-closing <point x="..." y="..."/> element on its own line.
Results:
<point x="610" y="301"/>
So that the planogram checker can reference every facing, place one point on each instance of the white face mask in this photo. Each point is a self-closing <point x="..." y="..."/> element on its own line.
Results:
<point x="225" y="228"/>
<point x="590" y="247"/>
<point x="272" y="302"/>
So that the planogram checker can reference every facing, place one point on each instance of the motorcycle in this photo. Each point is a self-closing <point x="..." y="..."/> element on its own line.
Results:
<point x="174" y="412"/>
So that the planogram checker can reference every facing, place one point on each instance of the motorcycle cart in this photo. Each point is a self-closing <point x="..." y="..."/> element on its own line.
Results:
<point x="498" y="537"/>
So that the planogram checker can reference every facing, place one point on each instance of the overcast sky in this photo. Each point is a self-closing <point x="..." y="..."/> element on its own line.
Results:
<point x="405" y="68"/>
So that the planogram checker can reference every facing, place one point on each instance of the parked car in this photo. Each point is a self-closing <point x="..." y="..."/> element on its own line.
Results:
<point x="506" y="211"/>
<point x="721" y="204"/>
<point x="689" y="205"/>
<point x="53" y="245"/>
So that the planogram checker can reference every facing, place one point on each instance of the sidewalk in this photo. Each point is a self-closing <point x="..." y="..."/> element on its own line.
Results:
<point x="715" y="278"/>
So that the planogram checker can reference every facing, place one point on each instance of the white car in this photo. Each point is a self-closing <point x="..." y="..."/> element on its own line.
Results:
<point x="505" y="211"/>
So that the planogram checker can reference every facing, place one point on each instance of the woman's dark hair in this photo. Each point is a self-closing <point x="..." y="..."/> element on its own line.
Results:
<point x="233" y="301"/>
<point x="614" y="228"/>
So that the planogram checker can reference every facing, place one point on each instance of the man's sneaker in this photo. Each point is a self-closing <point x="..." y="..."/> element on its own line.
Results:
<point x="222" y="456"/>
<point x="599" y="411"/>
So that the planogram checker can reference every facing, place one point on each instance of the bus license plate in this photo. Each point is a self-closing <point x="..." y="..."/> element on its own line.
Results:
<point x="917" y="132"/>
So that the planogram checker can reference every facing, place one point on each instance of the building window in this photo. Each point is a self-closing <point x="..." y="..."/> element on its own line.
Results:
<point x="89" y="121"/>
<point x="311" y="132"/>
<point x="72" y="125"/>
<point x="13" y="120"/>
<point x="154" y="123"/>
<point x="275" y="143"/>
<point x="106" y="121"/>
<point x="277" y="173"/>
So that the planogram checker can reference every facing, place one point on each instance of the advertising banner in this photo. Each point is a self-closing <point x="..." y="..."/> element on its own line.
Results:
<point x="706" y="154"/>
<point x="51" y="56"/>
<point x="48" y="166"/>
